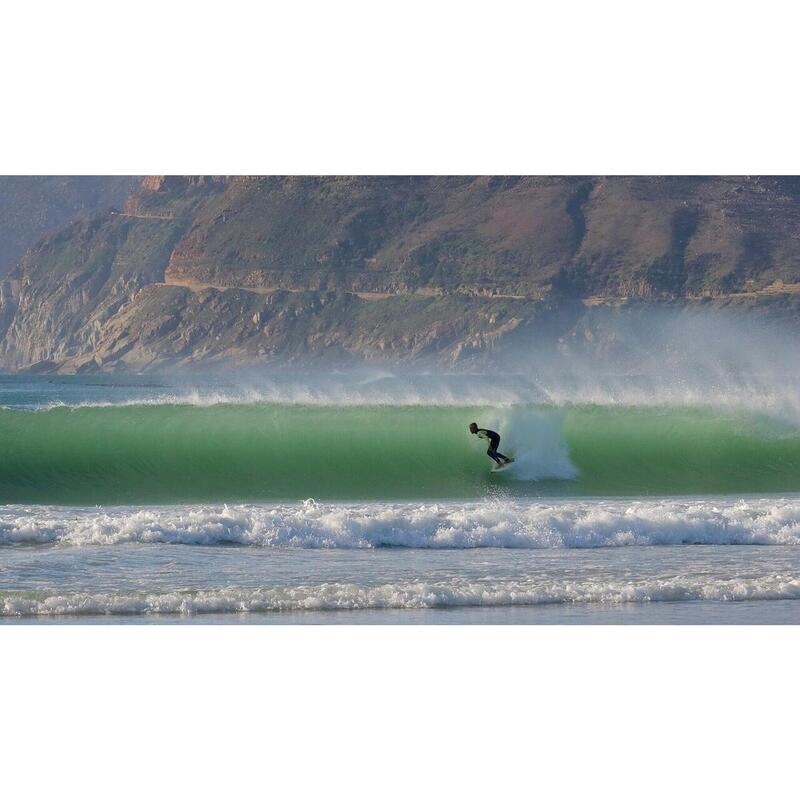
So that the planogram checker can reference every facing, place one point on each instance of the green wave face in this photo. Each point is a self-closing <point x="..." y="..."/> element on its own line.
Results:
<point x="185" y="453"/>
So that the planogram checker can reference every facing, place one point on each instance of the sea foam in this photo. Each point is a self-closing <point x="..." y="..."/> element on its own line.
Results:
<point x="507" y="524"/>
<point x="452" y="593"/>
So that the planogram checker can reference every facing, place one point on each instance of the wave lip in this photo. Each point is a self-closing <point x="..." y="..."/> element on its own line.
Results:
<point x="395" y="596"/>
<point x="502" y="524"/>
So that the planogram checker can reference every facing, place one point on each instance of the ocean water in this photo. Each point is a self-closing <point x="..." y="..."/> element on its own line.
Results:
<point x="285" y="500"/>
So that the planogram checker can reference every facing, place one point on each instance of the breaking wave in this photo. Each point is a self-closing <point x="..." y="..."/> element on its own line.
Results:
<point x="503" y="524"/>
<point x="137" y="454"/>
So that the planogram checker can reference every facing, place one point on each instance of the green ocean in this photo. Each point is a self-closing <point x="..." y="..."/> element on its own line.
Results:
<point x="172" y="453"/>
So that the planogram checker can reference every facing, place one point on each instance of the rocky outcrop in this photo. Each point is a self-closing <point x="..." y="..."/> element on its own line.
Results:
<point x="73" y="284"/>
<point x="196" y="270"/>
<point x="171" y="325"/>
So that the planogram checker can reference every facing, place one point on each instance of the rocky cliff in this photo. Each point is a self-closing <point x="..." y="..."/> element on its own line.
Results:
<point x="197" y="270"/>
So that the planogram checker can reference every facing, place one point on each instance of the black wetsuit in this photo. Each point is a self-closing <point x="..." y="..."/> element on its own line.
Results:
<point x="494" y="442"/>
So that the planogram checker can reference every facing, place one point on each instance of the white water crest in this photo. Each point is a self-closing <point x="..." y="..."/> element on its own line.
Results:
<point x="570" y="523"/>
<point x="777" y="397"/>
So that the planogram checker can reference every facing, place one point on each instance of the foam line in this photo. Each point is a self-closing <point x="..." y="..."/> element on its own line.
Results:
<point x="504" y="524"/>
<point x="409" y="595"/>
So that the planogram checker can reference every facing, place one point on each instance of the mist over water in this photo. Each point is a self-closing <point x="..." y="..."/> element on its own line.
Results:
<point x="679" y="403"/>
<point x="639" y="355"/>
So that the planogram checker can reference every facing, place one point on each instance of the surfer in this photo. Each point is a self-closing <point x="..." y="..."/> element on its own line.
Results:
<point x="494" y="440"/>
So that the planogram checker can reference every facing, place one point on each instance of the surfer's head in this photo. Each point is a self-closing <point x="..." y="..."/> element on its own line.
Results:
<point x="473" y="427"/>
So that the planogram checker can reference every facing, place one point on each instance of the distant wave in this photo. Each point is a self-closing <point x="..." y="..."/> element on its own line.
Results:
<point x="502" y="524"/>
<point x="408" y="595"/>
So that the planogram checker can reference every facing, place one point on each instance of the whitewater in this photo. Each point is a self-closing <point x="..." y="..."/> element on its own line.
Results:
<point x="125" y="499"/>
<point x="510" y="524"/>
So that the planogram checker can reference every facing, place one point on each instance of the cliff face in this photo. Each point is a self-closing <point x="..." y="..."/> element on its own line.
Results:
<point x="204" y="269"/>
<point x="66" y="290"/>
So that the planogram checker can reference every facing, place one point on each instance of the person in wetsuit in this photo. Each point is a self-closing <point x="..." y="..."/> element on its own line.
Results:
<point x="494" y="440"/>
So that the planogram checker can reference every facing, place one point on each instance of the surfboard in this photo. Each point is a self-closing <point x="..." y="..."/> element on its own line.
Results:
<point x="502" y="467"/>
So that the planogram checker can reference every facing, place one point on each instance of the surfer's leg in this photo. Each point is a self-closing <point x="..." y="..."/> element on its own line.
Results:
<point x="497" y="456"/>
<point x="493" y="454"/>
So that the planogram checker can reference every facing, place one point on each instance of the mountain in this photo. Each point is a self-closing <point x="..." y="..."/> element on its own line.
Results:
<point x="31" y="206"/>
<point x="205" y="270"/>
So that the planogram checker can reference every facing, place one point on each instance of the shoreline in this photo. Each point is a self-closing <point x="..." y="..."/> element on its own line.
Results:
<point x="696" y="612"/>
